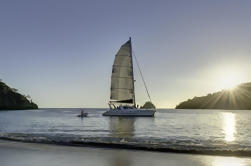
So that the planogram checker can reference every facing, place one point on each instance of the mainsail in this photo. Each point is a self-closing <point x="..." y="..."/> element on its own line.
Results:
<point x="122" y="81"/>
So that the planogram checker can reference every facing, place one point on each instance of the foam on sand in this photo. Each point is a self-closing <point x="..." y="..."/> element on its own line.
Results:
<point x="129" y="143"/>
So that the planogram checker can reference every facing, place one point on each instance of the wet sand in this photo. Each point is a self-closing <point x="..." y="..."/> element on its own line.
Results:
<point x="30" y="154"/>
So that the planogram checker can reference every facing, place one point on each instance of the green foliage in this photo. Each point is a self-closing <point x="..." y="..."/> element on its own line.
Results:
<point x="11" y="100"/>
<point x="236" y="99"/>
<point x="148" y="105"/>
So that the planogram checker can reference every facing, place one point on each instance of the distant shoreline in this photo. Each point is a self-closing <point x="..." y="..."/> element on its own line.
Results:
<point x="238" y="98"/>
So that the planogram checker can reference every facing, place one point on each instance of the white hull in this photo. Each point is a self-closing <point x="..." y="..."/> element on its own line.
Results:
<point x="130" y="112"/>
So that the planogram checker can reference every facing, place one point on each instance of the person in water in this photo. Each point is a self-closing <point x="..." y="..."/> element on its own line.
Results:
<point x="82" y="114"/>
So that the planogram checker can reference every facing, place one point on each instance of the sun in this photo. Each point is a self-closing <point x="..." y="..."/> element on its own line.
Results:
<point x="226" y="76"/>
<point x="228" y="83"/>
<point x="229" y="80"/>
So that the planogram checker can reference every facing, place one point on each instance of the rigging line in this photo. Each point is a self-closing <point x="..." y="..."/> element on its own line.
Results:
<point x="142" y="76"/>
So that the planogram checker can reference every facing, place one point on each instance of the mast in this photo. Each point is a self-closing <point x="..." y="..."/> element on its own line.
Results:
<point x="134" y="100"/>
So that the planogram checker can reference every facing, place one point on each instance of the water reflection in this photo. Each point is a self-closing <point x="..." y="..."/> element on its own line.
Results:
<point x="229" y="129"/>
<point x="228" y="161"/>
<point x="122" y="127"/>
<point x="121" y="158"/>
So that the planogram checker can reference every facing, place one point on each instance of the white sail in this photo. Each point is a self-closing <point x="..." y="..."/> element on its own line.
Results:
<point x="122" y="86"/>
<point x="122" y="81"/>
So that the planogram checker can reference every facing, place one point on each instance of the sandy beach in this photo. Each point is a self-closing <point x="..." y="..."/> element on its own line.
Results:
<point x="30" y="154"/>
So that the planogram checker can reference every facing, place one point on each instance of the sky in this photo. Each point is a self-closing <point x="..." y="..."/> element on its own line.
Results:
<point x="61" y="52"/>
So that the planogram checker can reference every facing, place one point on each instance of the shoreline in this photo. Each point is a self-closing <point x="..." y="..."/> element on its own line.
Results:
<point x="118" y="143"/>
<point x="29" y="154"/>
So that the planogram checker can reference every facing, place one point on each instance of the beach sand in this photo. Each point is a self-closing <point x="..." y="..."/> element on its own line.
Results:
<point x="31" y="154"/>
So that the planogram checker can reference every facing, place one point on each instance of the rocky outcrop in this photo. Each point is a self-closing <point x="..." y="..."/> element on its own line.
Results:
<point x="10" y="99"/>
<point x="148" y="105"/>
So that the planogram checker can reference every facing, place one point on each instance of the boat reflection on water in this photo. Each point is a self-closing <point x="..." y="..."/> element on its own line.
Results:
<point x="121" y="158"/>
<point x="122" y="127"/>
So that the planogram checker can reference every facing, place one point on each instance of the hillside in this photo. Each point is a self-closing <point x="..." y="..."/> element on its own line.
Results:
<point x="11" y="100"/>
<point x="148" y="105"/>
<point x="238" y="98"/>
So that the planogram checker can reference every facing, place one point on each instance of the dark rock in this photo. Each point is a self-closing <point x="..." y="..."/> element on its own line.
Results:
<point x="148" y="105"/>
<point x="10" y="99"/>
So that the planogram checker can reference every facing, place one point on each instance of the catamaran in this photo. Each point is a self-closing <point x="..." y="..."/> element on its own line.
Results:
<point x="122" y="99"/>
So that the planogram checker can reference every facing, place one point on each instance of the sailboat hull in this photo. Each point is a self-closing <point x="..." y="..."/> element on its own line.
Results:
<point x="130" y="112"/>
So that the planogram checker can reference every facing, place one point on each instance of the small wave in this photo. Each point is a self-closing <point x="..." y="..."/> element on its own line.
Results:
<point x="131" y="143"/>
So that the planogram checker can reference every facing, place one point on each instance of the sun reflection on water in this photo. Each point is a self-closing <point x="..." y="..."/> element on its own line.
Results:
<point x="228" y="161"/>
<point x="229" y="126"/>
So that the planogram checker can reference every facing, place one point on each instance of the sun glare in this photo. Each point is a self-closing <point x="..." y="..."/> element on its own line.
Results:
<point x="228" y="161"/>
<point x="228" y="83"/>
<point x="229" y="126"/>
<point x="229" y="80"/>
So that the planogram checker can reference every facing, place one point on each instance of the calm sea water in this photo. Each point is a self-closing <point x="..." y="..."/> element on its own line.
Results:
<point x="206" y="128"/>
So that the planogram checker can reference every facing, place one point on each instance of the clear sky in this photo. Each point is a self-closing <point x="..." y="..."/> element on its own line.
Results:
<point x="60" y="52"/>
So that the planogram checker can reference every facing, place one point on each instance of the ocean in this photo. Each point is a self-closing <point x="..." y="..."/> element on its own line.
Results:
<point x="200" y="131"/>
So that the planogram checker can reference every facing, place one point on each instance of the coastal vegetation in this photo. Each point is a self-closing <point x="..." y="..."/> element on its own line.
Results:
<point x="148" y="105"/>
<point x="10" y="99"/>
<point x="238" y="98"/>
